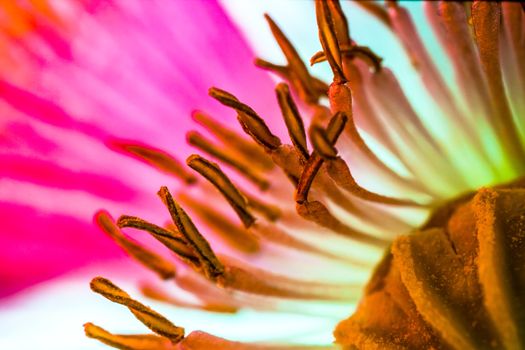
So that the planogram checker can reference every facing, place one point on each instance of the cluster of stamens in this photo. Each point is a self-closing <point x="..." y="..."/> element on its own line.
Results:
<point x="317" y="177"/>
<point x="300" y="166"/>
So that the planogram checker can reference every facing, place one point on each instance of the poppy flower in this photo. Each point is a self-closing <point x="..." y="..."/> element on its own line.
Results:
<point x="293" y="224"/>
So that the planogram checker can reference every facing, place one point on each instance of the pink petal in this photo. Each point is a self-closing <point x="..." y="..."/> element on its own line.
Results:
<point x="38" y="245"/>
<point x="110" y="69"/>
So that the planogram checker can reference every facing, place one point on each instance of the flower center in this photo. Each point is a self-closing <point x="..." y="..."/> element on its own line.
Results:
<point x="457" y="282"/>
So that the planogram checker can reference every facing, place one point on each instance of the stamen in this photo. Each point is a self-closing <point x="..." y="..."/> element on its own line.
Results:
<point x="293" y="120"/>
<point x="220" y="308"/>
<point x="315" y="162"/>
<point x="208" y="292"/>
<point x="154" y="157"/>
<point x="276" y="235"/>
<point x="154" y="292"/>
<point x="376" y="10"/>
<point x="318" y="57"/>
<point x="250" y="151"/>
<point x="230" y="100"/>
<point x="340" y="24"/>
<point x="238" y="276"/>
<point x="270" y="212"/>
<point x="203" y="341"/>
<point x="196" y="139"/>
<point x="340" y="173"/>
<point x="250" y="121"/>
<point x="172" y="240"/>
<point x="157" y="294"/>
<point x="344" y="45"/>
<point x="286" y="73"/>
<point x="389" y="221"/>
<point x="321" y="144"/>
<point x="289" y="161"/>
<point x="391" y="3"/>
<point x="244" y="239"/>
<point x="353" y="51"/>
<point x="336" y="126"/>
<point x="293" y="58"/>
<point x="282" y="71"/>
<point x="211" y="265"/>
<point x="486" y="19"/>
<point x="198" y="340"/>
<point x="328" y="38"/>
<point x="320" y="116"/>
<point x="127" y="342"/>
<point x="367" y="55"/>
<point x="307" y="177"/>
<point x="154" y="262"/>
<point x="340" y="97"/>
<point x="316" y="212"/>
<point x="237" y="236"/>
<point x="309" y="88"/>
<point x="153" y="320"/>
<point x="214" y="174"/>
<point x="284" y="156"/>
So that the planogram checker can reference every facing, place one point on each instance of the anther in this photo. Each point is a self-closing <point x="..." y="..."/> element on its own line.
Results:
<point x="334" y="129"/>
<point x="321" y="143"/>
<point x="318" y="87"/>
<point x="391" y="4"/>
<point x="249" y="120"/>
<point x="339" y="22"/>
<point x="293" y="120"/>
<point x="368" y="55"/>
<point x="172" y="240"/>
<point x="235" y="142"/>
<point x="258" y="130"/>
<point x="150" y="318"/>
<point x="328" y="38"/>
<point x="214" y="174"/>
<point x="230" y="100"/>
<point x="296" y="73"/>
<point x="282" y="71"/>
<point x="354" y="51"/>
<point x="376" y="10"/>
<point x="197" y="140"/>
<point x="211" y="265"/>
<point x="307" y="177"/>
<point x="237" y="236"/>
<point x="154" y="157"/>
<point x="154" y="262"/>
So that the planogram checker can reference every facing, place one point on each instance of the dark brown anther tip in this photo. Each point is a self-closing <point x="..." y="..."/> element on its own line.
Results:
<point x="307" y="177"/>
<point x="220" y="94"/>
<point x="123" y="221"/>
<point x="329" y="40"/>
<point x="223" y="184"/>
<point x="259" y="131"/>
<point x="269" y="19"/>
<point x="292" y="119"/>
<point x="321" y="143"/>
<point x="336" y="126"/>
